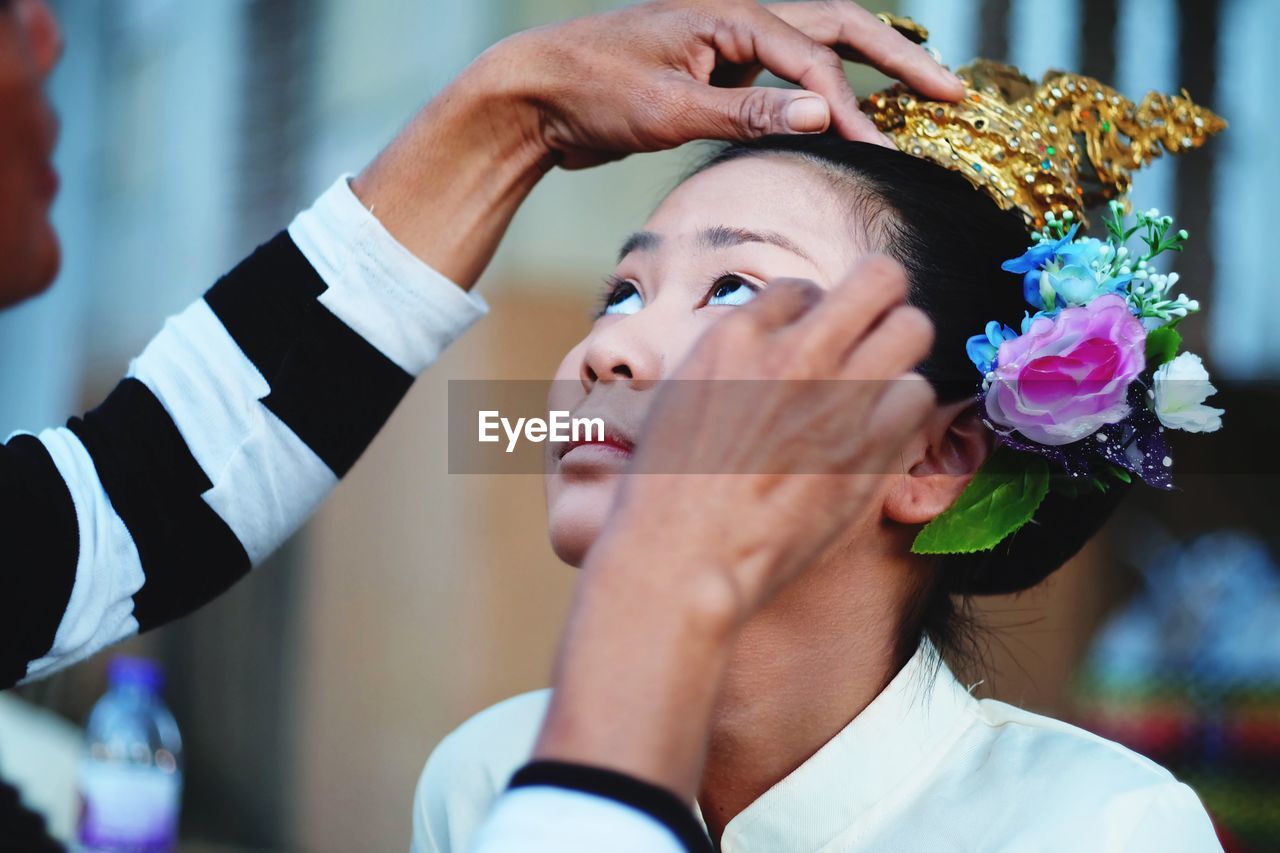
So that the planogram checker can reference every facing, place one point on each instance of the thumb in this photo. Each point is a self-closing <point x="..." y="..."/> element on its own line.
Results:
<point x="751" y="112"/>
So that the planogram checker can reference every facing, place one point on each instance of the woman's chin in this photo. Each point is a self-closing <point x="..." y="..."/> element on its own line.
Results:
<point x="569" y="549"/>
<point x="32" y="266"/>
<point x="576" y="514"/>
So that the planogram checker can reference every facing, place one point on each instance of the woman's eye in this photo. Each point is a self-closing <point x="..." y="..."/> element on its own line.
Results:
<point x="732" y="290"/>
<point x="624" y="299"/>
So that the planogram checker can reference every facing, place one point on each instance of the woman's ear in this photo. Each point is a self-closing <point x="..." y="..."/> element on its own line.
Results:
<point x="954" y="445"/>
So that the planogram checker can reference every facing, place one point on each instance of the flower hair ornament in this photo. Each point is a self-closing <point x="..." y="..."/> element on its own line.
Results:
<point x="1081" y="390"/>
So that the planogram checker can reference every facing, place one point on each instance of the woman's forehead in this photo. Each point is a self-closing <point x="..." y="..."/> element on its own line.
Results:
<point x="764" y="194"/>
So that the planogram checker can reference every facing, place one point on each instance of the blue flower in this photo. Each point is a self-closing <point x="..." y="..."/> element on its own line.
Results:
<point x="1031" y="288"/>
<point x="1028" y="318"/>
<point x="1079" y="274"/>
<point x="982" y="349"/>
<point x="1040" y="254"/>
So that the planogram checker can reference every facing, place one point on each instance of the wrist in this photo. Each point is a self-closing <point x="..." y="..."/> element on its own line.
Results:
<point x="696" y="595"/>
<point x="639" y="667"/>
<point x="448" y="184"/>
<point x="498" y="93"/>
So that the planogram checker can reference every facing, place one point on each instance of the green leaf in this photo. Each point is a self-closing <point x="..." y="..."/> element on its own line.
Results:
<point x="1000" y="498"/>
<point x="1162" y="345"/>
<point x="1119" y="473"/>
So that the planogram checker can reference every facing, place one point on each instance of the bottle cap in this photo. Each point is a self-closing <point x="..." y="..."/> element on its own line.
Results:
<point x="135" y="672"/>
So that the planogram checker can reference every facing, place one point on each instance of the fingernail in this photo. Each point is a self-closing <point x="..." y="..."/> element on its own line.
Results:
<point x="806" y="114"/>
<point x="888" y="142"/>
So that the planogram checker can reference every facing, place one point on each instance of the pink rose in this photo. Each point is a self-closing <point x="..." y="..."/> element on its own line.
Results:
<point x="1068" y="375"/>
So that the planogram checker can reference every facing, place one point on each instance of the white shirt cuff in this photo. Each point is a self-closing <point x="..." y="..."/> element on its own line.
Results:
<point x="401" y="306"/>
<point x="546" y="819"/>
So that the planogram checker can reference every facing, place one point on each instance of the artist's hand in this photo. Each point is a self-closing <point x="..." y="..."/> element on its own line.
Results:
<point x="595" y="89"/>
<point x="758" y="452"/>
<point x="660" y="74"/>
<point x="764" y="443"/>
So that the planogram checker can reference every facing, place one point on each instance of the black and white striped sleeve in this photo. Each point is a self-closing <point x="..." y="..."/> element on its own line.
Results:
<point x="227" y="432"/>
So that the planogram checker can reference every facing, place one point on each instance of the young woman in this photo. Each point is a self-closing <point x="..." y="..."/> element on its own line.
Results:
<point x="839" y="726"/>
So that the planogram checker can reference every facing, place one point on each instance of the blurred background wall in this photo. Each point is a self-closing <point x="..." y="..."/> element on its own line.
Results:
<point x="311" y="694"/>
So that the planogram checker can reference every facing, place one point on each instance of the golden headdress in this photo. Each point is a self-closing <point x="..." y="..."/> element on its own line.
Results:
<point x="1069" y="143"/>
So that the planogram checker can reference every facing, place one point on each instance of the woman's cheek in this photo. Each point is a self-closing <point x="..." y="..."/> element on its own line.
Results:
<point x="682" y="341"/>
<point x="571" y="364"/>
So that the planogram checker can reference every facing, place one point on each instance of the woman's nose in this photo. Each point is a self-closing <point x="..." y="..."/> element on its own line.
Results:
<point x="620" y="352"/>
<point x="43" y="34"/>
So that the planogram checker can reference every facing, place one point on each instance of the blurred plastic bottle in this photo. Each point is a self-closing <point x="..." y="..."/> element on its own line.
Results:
<point x="131" y="775"/>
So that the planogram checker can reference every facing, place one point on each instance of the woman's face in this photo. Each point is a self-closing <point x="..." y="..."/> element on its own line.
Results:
<point x="710" y="246"/>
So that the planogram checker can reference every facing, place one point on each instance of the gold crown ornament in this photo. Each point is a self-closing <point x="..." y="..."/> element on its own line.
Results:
<point x="1067" y="144"/>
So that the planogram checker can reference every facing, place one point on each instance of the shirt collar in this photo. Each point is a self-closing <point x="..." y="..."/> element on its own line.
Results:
<point x="902" y="733"/>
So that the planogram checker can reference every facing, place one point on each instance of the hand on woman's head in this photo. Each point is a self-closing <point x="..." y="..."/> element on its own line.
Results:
<point x="641" y="78"/>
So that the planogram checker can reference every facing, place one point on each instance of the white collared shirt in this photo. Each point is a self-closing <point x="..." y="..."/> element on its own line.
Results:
<point x="925" y="767"/>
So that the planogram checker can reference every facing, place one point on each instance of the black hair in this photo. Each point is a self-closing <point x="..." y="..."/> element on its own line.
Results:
<point x="951" y="238"/>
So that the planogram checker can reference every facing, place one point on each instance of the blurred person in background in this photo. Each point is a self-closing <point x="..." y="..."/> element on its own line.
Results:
<point x="242" y="414"/>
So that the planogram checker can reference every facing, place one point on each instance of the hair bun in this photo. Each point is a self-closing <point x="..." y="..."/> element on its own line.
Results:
<point x="1058" y="531"/>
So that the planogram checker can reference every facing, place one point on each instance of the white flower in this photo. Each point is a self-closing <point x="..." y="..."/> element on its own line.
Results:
<point x="1180" y="388"/>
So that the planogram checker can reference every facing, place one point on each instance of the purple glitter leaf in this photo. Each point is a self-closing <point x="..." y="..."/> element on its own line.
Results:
<point x="1135" y="444"/>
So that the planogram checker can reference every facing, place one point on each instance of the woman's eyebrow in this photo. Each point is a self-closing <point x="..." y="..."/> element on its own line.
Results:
<point x="641" y="241"/>
<point x="716" y="237"/>
<point x="724" y="236"/>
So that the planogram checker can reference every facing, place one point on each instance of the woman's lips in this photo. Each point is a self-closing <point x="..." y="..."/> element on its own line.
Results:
<point x="612" y="445"/>
<point x="47" y="181"/>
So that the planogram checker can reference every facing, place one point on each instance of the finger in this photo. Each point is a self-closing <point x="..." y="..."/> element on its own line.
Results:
<point x="784" y="301"/>
<point x="899" y="342"/>
<point x="874" y="286"/>
<point x="758" y="36"/>
<point x="905" y="404"/>
<point x="865" y="37"/>
<point x="709" y="112"/>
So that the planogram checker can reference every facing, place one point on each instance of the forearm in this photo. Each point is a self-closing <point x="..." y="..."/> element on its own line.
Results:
<point x="231" y="427"/>
<point x="447" y="185"/>
<point x="639" y="668"/>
